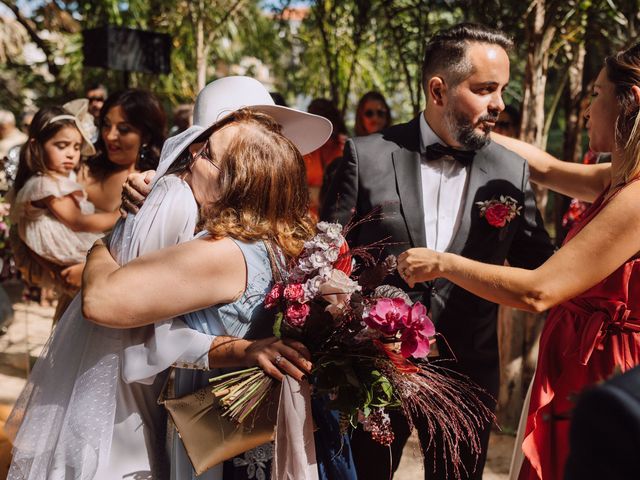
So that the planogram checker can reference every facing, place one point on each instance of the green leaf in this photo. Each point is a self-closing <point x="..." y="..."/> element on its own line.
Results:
<point x="277" y="325"/>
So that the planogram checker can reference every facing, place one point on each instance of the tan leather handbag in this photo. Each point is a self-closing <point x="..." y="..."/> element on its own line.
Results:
<point x="209" y="438"/>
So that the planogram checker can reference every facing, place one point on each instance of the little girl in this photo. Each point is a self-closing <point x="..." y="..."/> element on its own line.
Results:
<point x="53" y="216"/>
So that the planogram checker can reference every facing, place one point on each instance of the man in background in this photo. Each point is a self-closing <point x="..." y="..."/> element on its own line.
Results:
<point x="96" y="94"/>
<point x="10" y="136"/>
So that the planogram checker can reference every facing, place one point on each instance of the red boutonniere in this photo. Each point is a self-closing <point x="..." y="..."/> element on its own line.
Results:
<point x="499" y="212"/>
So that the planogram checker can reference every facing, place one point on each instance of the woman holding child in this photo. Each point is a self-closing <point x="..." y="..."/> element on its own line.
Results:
<point x="247" y="176"/>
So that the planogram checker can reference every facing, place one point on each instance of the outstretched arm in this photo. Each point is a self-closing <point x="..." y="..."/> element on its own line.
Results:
<point x="162" y="284"/>
<point x="67" y="211"/>
<point x="609" y="240"/>
<point x="576" y="180"/>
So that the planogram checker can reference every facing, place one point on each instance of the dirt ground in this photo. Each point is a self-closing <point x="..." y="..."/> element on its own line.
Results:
<point x="26" y="336"/>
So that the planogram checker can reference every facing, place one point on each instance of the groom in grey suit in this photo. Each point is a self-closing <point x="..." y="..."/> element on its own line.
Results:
<point x="426" y="179"/>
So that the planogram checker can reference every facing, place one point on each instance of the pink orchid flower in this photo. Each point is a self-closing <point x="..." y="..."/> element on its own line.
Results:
<point x="388" y="315"/>
<point x="415" y="337"/>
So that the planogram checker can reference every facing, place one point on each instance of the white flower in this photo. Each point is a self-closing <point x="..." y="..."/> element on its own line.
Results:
<point x="305" y="265"/>
<point x="337" y="290"/>
<point x="318" y="260"/>
<point x="325" y="272"/>
<point x="322" y="226"/>
<point x="332" y="254"/>
<point x="333" y="231"/>
<point x="319" y="242"/>
<point x="311" y="288"/>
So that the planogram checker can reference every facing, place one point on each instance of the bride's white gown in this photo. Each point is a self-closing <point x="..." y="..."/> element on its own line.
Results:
<point x="89" y="408"/>
<point x="517" y="458"/>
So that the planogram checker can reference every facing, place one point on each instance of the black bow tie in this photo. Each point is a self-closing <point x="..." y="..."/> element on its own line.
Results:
<point x="437" y="151"/>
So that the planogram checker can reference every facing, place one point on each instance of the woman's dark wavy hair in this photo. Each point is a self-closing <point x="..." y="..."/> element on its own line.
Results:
<point x="144" y="111"/>
<point x="32" y="155"/>
<point x="375" y="96"/>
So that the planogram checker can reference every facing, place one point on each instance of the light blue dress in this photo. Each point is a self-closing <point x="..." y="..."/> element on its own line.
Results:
<point x="246" y="318"/>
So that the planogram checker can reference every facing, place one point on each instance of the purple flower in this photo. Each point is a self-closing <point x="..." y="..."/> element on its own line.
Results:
<point x="388" y="315"/>
<point x="415" y="337"/>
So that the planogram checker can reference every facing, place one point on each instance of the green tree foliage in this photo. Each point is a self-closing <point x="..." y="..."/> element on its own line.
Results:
<point x="336" y="49"/>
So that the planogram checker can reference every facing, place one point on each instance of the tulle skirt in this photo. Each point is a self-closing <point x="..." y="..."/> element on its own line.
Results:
<point x="75" y="407"/>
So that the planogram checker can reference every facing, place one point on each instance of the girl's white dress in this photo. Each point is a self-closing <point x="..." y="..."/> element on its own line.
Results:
<point x="41" y="231"/>
<point x="89" y="408"/>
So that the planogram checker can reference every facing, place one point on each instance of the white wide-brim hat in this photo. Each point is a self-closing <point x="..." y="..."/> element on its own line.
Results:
<point x="222" y="97"/>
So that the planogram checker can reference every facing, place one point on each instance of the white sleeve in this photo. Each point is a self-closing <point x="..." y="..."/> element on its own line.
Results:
<point x="168" y="217"/>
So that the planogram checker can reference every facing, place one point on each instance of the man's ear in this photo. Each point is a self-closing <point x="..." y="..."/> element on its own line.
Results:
<point x="635" y="90"/>
<point x="437" y="90"/>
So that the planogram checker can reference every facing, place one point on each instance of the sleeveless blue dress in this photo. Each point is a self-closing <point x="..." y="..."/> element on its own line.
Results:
<point x="247" y="318"/>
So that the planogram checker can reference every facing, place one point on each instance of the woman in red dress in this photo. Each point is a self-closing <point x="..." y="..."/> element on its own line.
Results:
<point x="592" y="282"/>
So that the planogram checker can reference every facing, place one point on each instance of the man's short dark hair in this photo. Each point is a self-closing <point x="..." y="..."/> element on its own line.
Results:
<point x="446" y="52"/>
<point x="97" y="86"/>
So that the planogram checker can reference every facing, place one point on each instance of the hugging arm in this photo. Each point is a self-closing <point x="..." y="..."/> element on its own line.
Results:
<point x="178" y="280"/>
<point x="531" y="245"/>
<point x="576" y="180"/>
<point x="609" y="240"/>
<point x="161" y="284"/>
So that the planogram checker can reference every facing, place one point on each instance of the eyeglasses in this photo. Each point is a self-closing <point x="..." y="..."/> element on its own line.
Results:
<point x="205" y="153"/>
<point x="379" y="113"/>
<point x="95" y="99"/>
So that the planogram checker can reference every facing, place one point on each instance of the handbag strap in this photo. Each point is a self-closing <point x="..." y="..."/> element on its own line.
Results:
<point x="167" y="385"/>
<point x="275" y="265"/>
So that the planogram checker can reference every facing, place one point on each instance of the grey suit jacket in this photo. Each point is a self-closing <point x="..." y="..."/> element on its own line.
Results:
<point x="381" y="173"/>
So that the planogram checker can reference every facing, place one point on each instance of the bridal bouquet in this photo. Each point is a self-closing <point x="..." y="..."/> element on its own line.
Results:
<point x="369" y="344"/>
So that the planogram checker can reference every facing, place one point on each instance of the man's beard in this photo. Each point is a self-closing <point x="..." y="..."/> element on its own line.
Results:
<point x="463" y="130"/>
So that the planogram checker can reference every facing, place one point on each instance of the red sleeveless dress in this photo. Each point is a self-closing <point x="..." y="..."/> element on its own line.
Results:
<point x="584" y="341"/>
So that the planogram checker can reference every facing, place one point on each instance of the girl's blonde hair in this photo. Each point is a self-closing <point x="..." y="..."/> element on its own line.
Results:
<point x="32" y="154"/>
<point x="623" y="70"/>
<point x="263" y="187"/>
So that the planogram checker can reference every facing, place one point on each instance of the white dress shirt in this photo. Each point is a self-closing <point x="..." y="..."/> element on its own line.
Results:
<point x="444" y="186"/>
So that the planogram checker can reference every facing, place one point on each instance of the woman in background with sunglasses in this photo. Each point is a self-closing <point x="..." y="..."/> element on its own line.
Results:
<point x="317" y="161"/>
<point x="372" y="114"/>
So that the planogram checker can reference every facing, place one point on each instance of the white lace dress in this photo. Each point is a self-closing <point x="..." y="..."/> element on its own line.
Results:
<point x="89" y="408"/>
<point x="41" y="231"/>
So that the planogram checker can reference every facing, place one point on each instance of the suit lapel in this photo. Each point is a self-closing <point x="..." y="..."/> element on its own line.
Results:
<point x="406" y="164"/>
<point x="478" y="177"/>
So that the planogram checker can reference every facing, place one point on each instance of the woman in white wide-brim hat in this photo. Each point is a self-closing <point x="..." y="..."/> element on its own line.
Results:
<point x="90" y="403"/>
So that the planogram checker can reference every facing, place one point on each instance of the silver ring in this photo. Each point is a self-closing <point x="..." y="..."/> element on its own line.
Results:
<point x="278" y="359"/>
